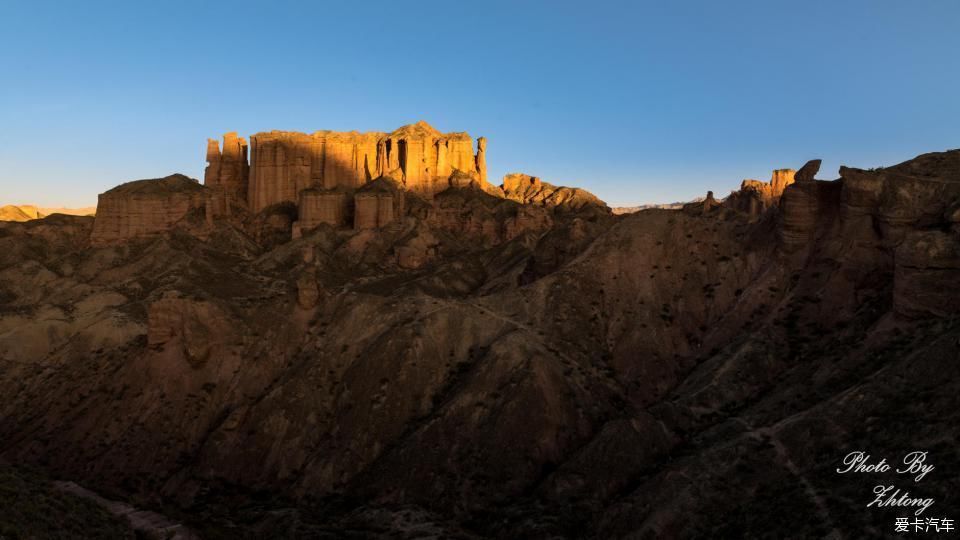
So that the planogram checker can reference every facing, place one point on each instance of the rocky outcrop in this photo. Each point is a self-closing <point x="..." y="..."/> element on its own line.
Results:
<point x="807" y="204"/>
<point x="145" y="208"/>
<point x="285" y="163"/>
<point x="900" y="219"/>
<point x="808" y="171"/>
<point x="427" y="157"/>
<point x="482" y="159"/>
<point x="911" y="209"/>
<point x="322" y="206"/>
<point x="702" y="206"/>
<point x="378" y="204"/>
<point x="229" y="170"/>
<point x="755" y="196"/>
<point x="527" y="189"/>
<point x="226" y="177"/>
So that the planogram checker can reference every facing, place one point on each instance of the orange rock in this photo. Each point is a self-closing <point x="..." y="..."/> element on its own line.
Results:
<point x="755" y="196"/>
<point x="282" y="164"/>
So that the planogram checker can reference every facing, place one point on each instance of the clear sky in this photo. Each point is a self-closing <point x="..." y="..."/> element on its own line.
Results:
<point x="636" y="101"/>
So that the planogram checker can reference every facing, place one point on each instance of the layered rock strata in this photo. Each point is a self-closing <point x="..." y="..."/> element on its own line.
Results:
<point x="285" y="163"/>
<point x="378" y="204"/>
<point x="319" y="206"/>
<point x="227" y="176"/>
<point x="145" y="208"/>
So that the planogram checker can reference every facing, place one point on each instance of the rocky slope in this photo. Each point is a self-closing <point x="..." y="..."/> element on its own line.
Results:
<point x="485" y="366"/>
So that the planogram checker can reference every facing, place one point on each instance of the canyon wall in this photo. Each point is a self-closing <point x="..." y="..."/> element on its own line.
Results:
<point x="902" y="220"/>
<point x="285" y="163"/>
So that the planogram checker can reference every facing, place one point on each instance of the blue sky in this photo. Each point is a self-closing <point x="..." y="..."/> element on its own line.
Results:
<point x="636" y="101"/>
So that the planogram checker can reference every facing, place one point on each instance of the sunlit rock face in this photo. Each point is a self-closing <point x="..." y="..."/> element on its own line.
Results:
<point x="527" y="189"/>
<point x="145" y="208"/>
<point x="226" y="177"/>
<point x="228" y="170"/>
<point x="756" y="196"/>
<point x="283" y="163"/>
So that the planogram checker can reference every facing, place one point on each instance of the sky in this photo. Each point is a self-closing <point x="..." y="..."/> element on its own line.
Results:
<point x="638" y="102"/>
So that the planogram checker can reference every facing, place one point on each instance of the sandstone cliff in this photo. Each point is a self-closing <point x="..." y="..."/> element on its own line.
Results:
<point x="283" y="164"/>
<point x="228" y="170"/>
<point x="755" y="196"/>
<point x="145" y="207"/>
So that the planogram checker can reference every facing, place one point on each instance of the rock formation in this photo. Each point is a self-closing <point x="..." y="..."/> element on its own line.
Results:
<point x="145" y="207"/>
<point x="702" y="206"/>
<point x="755" y="196"/>
<point x="378" y="204"/>
<point x="283" y="164"/>
<point x="479" y="366"/>
<point x="482" y="159"/>
<point x="228" y="170"/>
<point x="527" y="189"/>
<point x="226" y="177"/>
<point x="295" y="182"/>
<point x="319" y="206"/>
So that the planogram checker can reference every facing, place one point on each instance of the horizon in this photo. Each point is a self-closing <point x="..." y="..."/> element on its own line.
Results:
<point x="637" y="104"/>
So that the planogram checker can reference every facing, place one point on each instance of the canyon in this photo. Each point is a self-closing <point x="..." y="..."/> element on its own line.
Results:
<point x="358" y="335"/>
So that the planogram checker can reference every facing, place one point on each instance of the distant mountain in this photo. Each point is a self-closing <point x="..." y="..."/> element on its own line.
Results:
<point x="666" y="206"/>
<point x="26" y="212"/>
<point x="19" y="213"/>
<point x="85" y="211"/>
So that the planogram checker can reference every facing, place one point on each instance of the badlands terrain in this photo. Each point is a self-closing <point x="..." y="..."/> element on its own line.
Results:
<point x="359" y="335"/>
